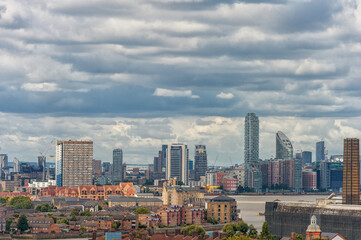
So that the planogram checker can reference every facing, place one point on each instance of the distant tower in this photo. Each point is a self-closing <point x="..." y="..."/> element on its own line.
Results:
<point x="320" y="151"/>
<point x="200" y="162"/>
<point x="284" y="148"/>
<point x="3" y="164"/>
<point x="251" y="138"/>
<point x="351" y="171"/>
<point x="16" y="167"/>
<point x="74" y="166"/>
<point x="42" y="166"/>
<point x="118" y="174"/>
<point x="178" y="162"/>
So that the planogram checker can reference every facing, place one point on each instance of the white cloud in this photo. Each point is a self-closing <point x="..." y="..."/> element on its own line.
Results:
<point x="311" y="66"/>
<point x="223" y="95"/>
<point x="40" y="87"/>
<point x="162" y="92"/>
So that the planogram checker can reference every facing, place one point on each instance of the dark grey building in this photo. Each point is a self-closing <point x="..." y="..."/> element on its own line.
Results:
<point x="320" y="151"/>
<point x="118" y="174"/>
<point x="200" y="161"/>
<point x="325" y="168"/>
<point x="306" y="157"/>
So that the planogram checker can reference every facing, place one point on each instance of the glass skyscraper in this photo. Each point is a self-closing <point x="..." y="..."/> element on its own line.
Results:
<point x="251" y="138"/>
<point x="320" y="151"/>
<point x="284" y="148"/>
<point x="177" y="162"/>
<point x="117" y="166"/>
<point x="200" y="160"/>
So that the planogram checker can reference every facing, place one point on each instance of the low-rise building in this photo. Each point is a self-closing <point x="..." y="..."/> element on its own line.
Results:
<point x="223" y="209"/>
<point x="178" y="195"/>
<point x="122" y="201"/>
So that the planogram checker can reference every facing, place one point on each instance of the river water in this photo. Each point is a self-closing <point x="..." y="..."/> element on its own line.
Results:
<point x="251" y="206"/>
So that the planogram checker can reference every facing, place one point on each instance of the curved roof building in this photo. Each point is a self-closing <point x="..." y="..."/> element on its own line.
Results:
<point x="284" y="148"/>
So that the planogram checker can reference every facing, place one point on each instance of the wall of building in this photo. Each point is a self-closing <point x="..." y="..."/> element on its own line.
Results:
<point x="283" y="220"/>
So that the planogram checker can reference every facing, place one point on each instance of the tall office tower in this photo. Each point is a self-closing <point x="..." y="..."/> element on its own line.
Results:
<point x="306" y="157"/>
<point x="177" y="162"/>
<point x="351" y="171"/>
<point x="320" y="151"/>
<point x="325" y="171"/>
<point x="3" y="164"/>
<point x="200" y="162"/>
<point x="157" y="164"/>
<point x="42" y="165"/>
<point x="251" y="138"/>
<point x="284" y="148"/>
<point x="16" y="166"/>
<point x="163" y="157"/>
<point x="118" y="173"/>
<point x="74" y="163"/>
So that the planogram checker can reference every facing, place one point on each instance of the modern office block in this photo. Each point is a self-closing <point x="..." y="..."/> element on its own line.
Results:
<point x="177" y="162"/>
<point x="118" y="173"/>
<point x="200" y="161"/>
<point x="320" y="151"/>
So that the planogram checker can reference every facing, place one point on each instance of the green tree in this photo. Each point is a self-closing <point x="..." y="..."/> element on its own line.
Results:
<point x="242" y="227"/>
<point x="191" y="228"/>
<point x="229" y="229"/>
<point x="300" y="237"/>
<point x="64" y="220"/>
<point x="8" y="224"/>
<point x="20" y="202"/>
<point x="23" y="223"/>
<point x="82" y="229"/>
<point x="86" y="213"/>
<point x="141" y="210"/>
<point x="74" y="212"/>
<point x="265" y="230"/>
<point x="3" y="200"/>
<point x="73" y="218"/>
<point x="100" y="207"/>
<point x="44" y="207"/>
<point x="252" y="232"/>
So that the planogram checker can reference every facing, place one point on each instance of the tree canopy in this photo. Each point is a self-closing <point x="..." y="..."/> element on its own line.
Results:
<point x="23" y="223"/>
<point x="20" y="202"/>
<point x="141" y="210"/>
<point x="44" y="207"/>
<point x="191" y="228"/>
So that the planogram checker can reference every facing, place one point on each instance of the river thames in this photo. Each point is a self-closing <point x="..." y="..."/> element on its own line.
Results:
<point x="251" y="206"/>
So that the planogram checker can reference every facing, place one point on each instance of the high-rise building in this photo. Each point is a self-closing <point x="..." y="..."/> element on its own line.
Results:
<point x="74" y="163"/>
<point x="306" y="157"/>
<point x="3" y="164"/>
<point x="97" y="168"/>
<point x="118" y="173"/>
<point x="351" y="171"/>
<point x="200" y="162"/>
<point x="16" y="165"/>
<point x="320" y="151"/>
<point x="284" y="148"/>
<point x="177" y="162"/>
<point x="42" y="166"/>
<point x="325" y="171"/>
<point x="251" y="139"/>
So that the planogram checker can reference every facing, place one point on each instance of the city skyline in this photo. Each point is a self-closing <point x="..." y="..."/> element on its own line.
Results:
<point x="135" y="75"/>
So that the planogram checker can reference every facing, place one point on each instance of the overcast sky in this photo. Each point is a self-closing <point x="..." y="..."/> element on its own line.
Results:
<point x="140" y="73"/>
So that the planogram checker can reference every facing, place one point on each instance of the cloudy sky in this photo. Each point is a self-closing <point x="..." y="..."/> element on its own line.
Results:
<point x="136" y="74"/>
